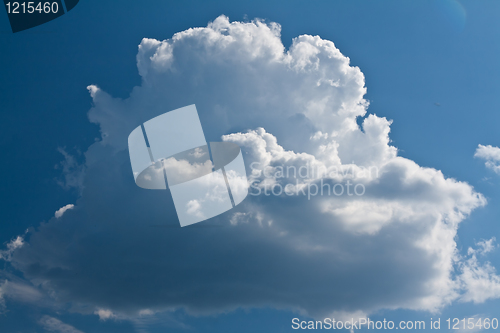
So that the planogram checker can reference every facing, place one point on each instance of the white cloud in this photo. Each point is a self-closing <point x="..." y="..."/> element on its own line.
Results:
<point x="479" y="280"/>
<point x="198" y="153"/>
<point x="393" y="247"/>
<point x="16" y="289"/>
<point x="193" y="207"/>
<point x="146" y="312"/>
<point x="104" y="314"/>
<point x="20" y="291"/>
<point x="63" y="209"/>
<point x="52" y="324"/>
<point x="181" y="170"/>
<point x="485" y="246"/>
<point x="491" y="155"/>
<point x="11" y="247"/>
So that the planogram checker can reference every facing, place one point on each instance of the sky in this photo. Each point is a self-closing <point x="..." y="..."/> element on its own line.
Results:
<point x="407" y="87"/>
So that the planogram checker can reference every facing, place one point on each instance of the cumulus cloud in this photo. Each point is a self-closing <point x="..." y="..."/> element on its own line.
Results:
<point x="11" y="247"/>
<point x="484" y="247"/>
<point x="391" y="247"/>
<point x="479" y="280"/>
<point x="60" y="212"/>
<point x="104" y="314"/>
<point x="179" y="170"/>
<point x="491" y="155"/>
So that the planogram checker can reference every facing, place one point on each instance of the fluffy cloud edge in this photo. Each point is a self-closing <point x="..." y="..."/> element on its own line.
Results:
<point x="491" y="155"/>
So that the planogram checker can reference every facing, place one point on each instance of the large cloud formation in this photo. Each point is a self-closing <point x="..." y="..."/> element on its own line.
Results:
<point x="120" y="249"/>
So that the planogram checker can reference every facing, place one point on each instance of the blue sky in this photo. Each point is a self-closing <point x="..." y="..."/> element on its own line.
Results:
<point x="431" y="68"/>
